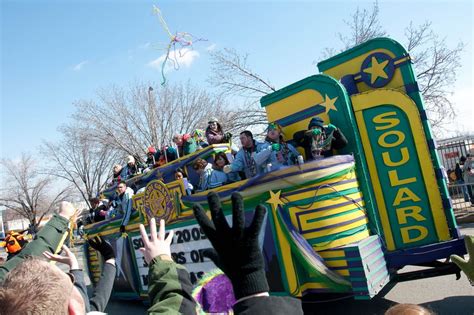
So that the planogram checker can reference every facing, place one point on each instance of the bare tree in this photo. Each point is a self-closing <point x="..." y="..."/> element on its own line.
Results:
<point x="129" y="121"/>
<point x="80" y="160"/>
<point x="28" y="193"/>
<point x="435" y="63"/>
<point x="234" y="78"/>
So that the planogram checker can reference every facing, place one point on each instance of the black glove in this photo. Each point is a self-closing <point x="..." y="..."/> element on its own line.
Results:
<point x="122" y="229"/>
<point x="100" y="245"/>
<point x="237" y="251"/>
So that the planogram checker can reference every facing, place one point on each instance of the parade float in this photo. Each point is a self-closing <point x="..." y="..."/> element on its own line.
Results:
<point x="345" y="224"/>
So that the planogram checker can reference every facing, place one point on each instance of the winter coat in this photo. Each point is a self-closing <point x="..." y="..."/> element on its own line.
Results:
<point x="287" y="155"/>
<point x="244" y="160"/>
<point x="170" y="287"/>
<point x="124" y="205"/>
<point x="214" y="137"/>
<point x="304" y="139"/>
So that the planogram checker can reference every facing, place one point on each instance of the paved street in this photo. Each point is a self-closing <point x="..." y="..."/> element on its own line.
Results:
<point x="444" y="295"/>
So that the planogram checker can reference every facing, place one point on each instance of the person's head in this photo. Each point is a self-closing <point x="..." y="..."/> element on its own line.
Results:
<point x="213" y="124"/>
<point x="316" y="122"/>
<point x="198" y="134"/>
<point x="246" y="139"/>
<point x="130" y="160"/>
<point x="220" y="160"/>
<point x="121" y="187"/>
<point x="179" y="173"/>
<point x="35" y="286"/>
<point x="199" y="165"/>
<point x="178" y="139"/>
<point x="408" y="309"/>
<point x="94" y="202"/>
<point x="274" y="132"/>
<point x="117" y="169"/>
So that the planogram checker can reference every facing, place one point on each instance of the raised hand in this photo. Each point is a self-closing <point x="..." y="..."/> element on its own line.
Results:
<point x="69" y="258"/>
<point x="236" y="249"/>
<point x="104" y="248"/>
<point x="467" y="266"/>
<point x="157" y="245"/>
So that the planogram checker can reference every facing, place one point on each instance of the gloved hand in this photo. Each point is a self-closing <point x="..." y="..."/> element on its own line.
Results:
<point x="236" y="250"/>
<point x="227" y="169"/>
<point x="122" y="229"/>
<point x="316" y="131"/>
<point x="276" y="147"/>
<point x="330" y="128"/>
<point x="467" y="266"/>
<point x="100" y="245"/>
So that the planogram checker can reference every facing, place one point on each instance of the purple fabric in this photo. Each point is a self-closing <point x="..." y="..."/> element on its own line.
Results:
<point x="217" y="295"/>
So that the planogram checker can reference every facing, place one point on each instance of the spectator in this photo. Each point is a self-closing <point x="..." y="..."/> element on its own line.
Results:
<point x="319" y="140"/>
<point x="185" y="143"/>
<point x="408" y="309"/>
<point x="215" y="134"/>
<point x="49" y="238"/>
<point x="180" y="174"/>
<point x="124" y="204"/>
<point x="199" y="137"/>
<point x="276" y="152"/>
<point x="244" y="160"/>
<point x="236" y="251"/>
<point x="204" y="170"/>
<point x="218" y="175"/>
<point x="14" y="244"/>
<point x="51" y="291"/>
<point x="460" y="181"/>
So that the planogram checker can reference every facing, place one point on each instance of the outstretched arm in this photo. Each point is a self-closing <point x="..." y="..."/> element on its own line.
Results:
<point x="169" y="286"/>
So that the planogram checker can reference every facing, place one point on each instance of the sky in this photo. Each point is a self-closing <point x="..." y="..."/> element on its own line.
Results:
<point x="54" y="53"/>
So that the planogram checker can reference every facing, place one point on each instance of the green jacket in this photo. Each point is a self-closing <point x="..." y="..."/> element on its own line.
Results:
<point x="169" y="288"/>
<point x="48" y="239"/>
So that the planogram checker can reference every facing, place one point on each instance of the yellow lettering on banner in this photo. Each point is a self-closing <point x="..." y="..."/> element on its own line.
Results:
<point x="404" y="194"/>
<point x="406" y="234"/>
<point x="383" y="119"/>
<point x="400" y="138"/>
<point x="387" y="160"/>
<point x="412" y="211"/>
<point x="395" y="181"/>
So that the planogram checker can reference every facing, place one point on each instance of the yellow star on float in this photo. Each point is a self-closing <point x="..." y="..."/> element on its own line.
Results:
<point x="329" y="103"/>
<point x="376" y="70"/>
<point x="275" y="199"/>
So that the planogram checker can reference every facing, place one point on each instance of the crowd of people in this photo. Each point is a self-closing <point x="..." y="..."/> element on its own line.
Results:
<point x="252" y="159"/>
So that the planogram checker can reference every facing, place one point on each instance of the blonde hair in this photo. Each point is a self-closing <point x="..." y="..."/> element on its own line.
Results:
<point x="35" y="287"/>
<point x="408" y="309"/>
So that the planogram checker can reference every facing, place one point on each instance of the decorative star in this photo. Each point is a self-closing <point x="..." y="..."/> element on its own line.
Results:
<point x="376" y="70"/>
<point x="329" y="103"/>
<point x="275" y="199"/>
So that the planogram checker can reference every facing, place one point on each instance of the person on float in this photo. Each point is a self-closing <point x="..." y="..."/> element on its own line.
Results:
<point x="124" y="204"/>
<point x="131" y="169"/>
<point x="206" y="178"/>
<point x="319" y="140"/>
<point x="185" y="143"/>
<point x="244" y="162"/>
<point x="152" y="157"/>
<point x="116" y="174"/>
<point x="215" y="134"/>
<point x="98" y="210"/>
<point x="276" y="152"/>
<point x="220" y="162"/>
<point x="200" y="138"/>
<point x="181" y="174"/>
<point x="167" y="154"/>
